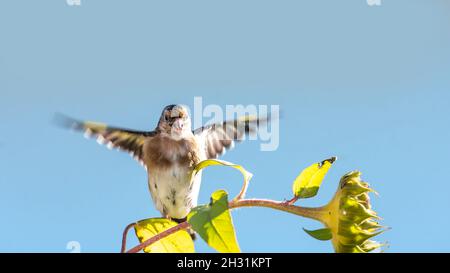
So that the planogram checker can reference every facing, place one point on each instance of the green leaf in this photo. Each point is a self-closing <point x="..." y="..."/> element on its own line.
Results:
<point x="214" y="162"/>
<point x="178" y="242"/>
<point x="307" y="184"/>
<point x="213" y="223"/>
<point x="320" y="234"/>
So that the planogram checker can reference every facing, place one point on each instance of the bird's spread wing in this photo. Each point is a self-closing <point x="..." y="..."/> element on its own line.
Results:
<point x="219" y="137"/>
<point x="127" y="140"/>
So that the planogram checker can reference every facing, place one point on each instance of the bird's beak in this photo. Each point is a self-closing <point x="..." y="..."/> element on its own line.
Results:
<point x="178" y="125"/>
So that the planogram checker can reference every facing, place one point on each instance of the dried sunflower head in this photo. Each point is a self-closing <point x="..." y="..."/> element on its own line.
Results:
<point x="350" y="218"/>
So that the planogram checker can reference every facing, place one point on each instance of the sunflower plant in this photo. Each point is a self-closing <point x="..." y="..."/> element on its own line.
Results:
<point x="350" y="223"/>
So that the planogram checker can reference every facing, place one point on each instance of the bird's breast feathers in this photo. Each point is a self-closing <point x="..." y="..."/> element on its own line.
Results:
<point x="163" y="152"/>
<point x="169" y="163"/>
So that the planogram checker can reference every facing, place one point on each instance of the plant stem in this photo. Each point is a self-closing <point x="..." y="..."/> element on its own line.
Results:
<point x="312" y="213"/>
<point x="124" y="237"/>
<point x="292" y="201"/>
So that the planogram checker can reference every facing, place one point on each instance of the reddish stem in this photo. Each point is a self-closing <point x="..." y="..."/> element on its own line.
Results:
<point x="124" y="237"/>
<point x="292" y="201"/>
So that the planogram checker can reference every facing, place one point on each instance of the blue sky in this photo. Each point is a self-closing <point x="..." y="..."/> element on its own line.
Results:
<point x="367" y="84"/>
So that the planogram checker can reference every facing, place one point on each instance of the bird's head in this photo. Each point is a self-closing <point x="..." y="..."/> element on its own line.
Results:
<point x="175" y="121"/>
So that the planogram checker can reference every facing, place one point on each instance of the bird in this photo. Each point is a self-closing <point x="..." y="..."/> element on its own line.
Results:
<point x="170" y="152"/>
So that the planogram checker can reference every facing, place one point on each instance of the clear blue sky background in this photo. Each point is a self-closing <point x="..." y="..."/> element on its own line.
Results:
<point x="367" y="84"/>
